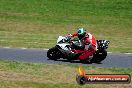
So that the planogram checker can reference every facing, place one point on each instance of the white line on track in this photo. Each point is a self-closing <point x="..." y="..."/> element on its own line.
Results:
<point x="45" y="49"/>
<point x="6" y="47"/>
<point x="109" y="52"/>
<point x="127" y="53"/>
<point x="23" y="48"/>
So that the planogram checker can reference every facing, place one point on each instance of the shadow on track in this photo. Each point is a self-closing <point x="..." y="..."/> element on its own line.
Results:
<point x="73" y="61"/>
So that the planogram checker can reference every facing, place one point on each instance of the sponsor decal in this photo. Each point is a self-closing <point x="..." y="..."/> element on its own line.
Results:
<point x="83" y="78"/>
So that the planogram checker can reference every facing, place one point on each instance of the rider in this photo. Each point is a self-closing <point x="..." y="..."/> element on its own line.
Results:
<point x="85" y="38"/>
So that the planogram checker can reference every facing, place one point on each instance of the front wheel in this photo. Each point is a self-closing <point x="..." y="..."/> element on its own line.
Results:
<point x="53" y="53"/>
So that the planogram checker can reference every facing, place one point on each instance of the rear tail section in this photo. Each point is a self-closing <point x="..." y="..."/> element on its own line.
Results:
<point x="102" y="44"/>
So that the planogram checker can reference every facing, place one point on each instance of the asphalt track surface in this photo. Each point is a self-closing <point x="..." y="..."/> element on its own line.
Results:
<point x="120" y="60"/>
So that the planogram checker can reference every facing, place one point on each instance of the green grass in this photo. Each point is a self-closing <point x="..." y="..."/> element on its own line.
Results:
<point x="38" y="23"/>
<point x="33" y="75"/>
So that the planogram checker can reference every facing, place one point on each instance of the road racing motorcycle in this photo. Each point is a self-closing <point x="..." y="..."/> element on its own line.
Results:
<point x="65" y="45"/>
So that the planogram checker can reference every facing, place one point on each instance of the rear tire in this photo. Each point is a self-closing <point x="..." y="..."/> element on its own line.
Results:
<point x="53" y="53"/>
<point x="99" y="56"/>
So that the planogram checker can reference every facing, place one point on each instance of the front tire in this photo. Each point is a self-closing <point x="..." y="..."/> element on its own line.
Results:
<point x="53" y="53"/>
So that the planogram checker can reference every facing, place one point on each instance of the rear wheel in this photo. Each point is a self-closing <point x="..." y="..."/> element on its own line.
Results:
<point x="99" y="56"/>
<point x="53" y="53"/>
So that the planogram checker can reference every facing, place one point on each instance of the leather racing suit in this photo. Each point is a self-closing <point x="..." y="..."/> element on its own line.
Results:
<point x="86" y="43"/>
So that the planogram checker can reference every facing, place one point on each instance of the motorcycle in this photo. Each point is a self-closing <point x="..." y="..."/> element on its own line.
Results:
<point x="63" y="49"/>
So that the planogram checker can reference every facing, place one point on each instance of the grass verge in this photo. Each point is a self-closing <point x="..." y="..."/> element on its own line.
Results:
<point x="38" y="23"/>
<point x="33" y="75"/>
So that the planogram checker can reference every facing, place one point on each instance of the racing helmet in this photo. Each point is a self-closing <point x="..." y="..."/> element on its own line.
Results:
<point x="81" y="33"/>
